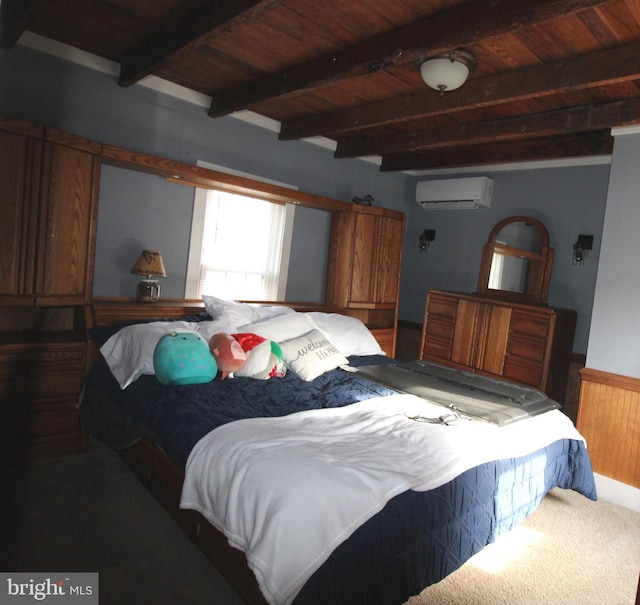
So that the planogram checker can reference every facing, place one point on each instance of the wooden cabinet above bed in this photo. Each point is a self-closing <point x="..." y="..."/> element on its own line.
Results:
<point x="364" y="265"/>
<point x="529" y="344"/>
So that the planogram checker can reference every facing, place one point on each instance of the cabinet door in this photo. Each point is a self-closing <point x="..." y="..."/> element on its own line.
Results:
<point x="365" y="258"/>
<point x="493" y="338"/>
<point x="465" y="336"/>
<point x="365" y="252"/>
<point x="67" y="225"/>
<point x="389" y="259"/>
<point x="20" y="155"/>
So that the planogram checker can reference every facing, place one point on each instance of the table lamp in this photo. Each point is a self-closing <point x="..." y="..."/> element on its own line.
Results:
<point x="150" y="265"/>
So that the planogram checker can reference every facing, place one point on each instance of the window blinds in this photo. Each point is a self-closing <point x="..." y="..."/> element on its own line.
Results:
<point x="241" y="247"/>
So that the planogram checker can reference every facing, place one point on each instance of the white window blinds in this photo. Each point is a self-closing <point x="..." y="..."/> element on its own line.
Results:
<point x="241" y="247"/>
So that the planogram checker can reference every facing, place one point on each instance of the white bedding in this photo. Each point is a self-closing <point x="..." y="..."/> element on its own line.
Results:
<point x="287" y="491"/>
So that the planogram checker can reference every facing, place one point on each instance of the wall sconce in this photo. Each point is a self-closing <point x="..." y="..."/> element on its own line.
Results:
<point x="150" y="265"/>
<point x="581" y="248"/>
<point x="448" y="71"/>
<point x="426" y="237"/>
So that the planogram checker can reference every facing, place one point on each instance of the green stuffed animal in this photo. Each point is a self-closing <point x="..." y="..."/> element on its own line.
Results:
<point x="183" y="357"/>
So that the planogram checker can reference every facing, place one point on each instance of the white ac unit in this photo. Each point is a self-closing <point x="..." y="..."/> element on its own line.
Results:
<point x="455" y="194"/>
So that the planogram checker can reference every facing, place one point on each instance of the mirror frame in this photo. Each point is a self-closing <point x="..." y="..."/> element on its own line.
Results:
<point x="539" y="289"/>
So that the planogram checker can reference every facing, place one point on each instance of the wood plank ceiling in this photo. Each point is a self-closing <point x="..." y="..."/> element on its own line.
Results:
<point x="552" y="78"/>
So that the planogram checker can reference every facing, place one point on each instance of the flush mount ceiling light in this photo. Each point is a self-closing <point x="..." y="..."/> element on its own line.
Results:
<point x="449" y="70"/>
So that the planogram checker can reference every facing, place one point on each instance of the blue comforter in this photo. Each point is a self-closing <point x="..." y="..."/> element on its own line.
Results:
<point x="416" y="540"/>
<point x="177" y="417"/>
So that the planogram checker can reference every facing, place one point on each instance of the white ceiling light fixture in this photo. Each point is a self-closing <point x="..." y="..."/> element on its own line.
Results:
<point x="448" y="71"/>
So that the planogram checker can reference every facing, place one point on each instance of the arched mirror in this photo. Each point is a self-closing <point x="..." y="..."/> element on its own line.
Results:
<point x="517" y="260"/>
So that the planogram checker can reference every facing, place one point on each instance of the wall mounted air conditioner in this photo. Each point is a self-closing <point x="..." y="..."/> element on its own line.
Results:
<point x="455" y="194"/>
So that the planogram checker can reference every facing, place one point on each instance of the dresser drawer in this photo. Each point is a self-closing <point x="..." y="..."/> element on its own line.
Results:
<point x="28" y="376"/>
<point x="435" y="350"/>
<point x="527" y="348"/>
<point x="442" y="306"/>
<point x="21" y="422"/>
<point x="40" y="384"/>
<point x="439" y="328"/>
<point x="530" y="323"/>
<point x="523" y="370"/>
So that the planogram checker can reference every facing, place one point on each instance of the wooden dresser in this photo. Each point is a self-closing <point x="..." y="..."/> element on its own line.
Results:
<point x="524" y="343"/>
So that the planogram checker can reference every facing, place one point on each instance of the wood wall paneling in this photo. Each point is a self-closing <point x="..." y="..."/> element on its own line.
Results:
<point x="609" y="420"/>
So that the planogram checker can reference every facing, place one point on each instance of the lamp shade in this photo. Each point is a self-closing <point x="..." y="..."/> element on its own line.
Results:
<point x="149" y="263"/>
<point x="447" y="71"/>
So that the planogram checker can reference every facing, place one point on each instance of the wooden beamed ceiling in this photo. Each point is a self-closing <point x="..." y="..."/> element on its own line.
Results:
<point x="553" y="76"/>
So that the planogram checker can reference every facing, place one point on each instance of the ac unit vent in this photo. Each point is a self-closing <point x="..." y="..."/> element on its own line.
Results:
<point x="455" y="194"/>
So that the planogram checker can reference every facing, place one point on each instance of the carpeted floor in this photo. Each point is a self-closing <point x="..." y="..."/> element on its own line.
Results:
<point x="571" y="551"/>
<point x="89" y="513"/>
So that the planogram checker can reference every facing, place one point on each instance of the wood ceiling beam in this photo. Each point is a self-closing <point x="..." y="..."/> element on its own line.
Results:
<point x="595" y="69"/>
<point x="14" y="15"/>
<point x="566" y="121"/>
<point x="546" y="148"/>
<point x="201" y="25"/>
<point x="460" y="26"/>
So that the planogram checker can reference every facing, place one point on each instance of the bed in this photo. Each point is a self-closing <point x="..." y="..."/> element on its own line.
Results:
<point x="412" y="492"/>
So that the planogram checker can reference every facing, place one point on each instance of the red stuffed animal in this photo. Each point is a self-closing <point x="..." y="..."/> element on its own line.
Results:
<point x="264" y="357"/>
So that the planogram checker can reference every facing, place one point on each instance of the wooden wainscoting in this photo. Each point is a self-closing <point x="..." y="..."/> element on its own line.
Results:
<point x="609" y="419"/>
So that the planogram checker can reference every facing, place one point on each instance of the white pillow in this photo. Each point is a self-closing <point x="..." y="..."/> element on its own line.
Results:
<point x="268" y="311"/>
<point x="348" y="334"/>
<point x="238" y="314"/>
<point x="281" y="328"/>
<point x="207" y="329"/>
<point x="311" y="355"/>
<point x="129" y="352"/>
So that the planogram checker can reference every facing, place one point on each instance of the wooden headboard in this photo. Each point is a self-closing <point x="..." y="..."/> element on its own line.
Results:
<point x="109" y="311"/>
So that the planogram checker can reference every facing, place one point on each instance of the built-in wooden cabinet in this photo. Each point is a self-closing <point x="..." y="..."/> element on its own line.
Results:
<point x="20" y="162"/>
<point x="67" y="219"/>
<point x="528" y="344"/>
<point x="49" y="182"/>
<point x="365" y="248"/>
<point x="40" y="384"/>
<point x="49" y="186"/>
<point x="363" y="270"/>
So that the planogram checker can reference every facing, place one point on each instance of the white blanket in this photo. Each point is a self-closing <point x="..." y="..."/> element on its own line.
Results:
<point x="287" y="491"/>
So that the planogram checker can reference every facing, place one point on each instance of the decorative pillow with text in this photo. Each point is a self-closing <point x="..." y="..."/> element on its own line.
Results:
<point x="311" y="355"/>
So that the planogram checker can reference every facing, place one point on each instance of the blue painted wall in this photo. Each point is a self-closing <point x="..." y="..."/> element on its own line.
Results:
<point x="140" y="210"/>
<point x="568" y="201"/>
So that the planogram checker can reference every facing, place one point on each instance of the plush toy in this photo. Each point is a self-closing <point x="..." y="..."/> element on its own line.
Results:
<point x="228" y="353"/>
<point x="183" y="357"/>
<point x="264" y="357"/>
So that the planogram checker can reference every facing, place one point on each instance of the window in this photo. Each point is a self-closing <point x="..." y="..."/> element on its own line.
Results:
<point x="239" y="247"/>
